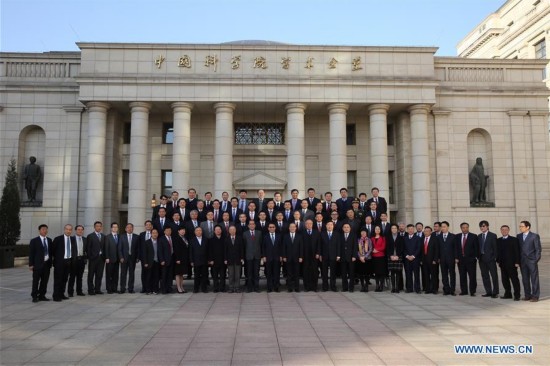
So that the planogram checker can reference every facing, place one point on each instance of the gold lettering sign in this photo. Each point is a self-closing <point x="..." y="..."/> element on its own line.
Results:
<point x="159" y="60"/>
<point x="211" y="61"/>
<point x="260" y="63"/>
<point x="285" y="61"/>
<point x="332" y="63"/>
<point x="356" y="64"/>
<point x="184" y="61"/>
<point x="235" y="62"/>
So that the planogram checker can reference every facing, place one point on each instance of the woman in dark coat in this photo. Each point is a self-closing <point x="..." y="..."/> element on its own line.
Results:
<point x="181" y="258"/>
<point x="394" y="254"/>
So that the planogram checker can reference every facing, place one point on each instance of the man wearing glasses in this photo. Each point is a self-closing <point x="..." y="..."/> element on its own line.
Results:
<point x="488" y="260"/>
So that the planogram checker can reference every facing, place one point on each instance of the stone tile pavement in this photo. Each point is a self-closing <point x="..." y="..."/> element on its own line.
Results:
<point x="267" y="329"/>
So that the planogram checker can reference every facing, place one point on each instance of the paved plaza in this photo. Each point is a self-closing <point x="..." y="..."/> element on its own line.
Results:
<point x="267" y="329"/>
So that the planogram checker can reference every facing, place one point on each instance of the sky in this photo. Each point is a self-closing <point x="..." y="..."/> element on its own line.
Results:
<point x="55" y="25"/>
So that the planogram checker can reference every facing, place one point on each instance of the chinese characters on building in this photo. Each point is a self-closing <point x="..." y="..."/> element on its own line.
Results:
<point x="259" y="62"/>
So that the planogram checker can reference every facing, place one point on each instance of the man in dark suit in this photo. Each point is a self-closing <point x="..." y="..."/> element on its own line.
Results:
<point x="208" y="201"/>
<point x="183" y="210"/>
<point x="111" y="259"/>
<point x="280" y="224"/>
<point x="216" y="211"/>
<point x="161" y="221"/>
<point x="165" y="254"/>
<point x="381" y="204"/>
<point x="311" y="239"/>
<point x="293" y="254"/>
<point x="294" y="200"/>
<point x="278" y="203"/>
<point x="128" y="254"/>
<point x="40" y="263"/>
<point x="288" y="213"/>
<point x="261" y="201"/>
<point x="262" y="224"/>
<point x="176" y="223"/>
<point x="531" y="249"/>
<point x="327" y="205"/>
<point x="349" y="252"/>
<point x="173" y="202"/>
<point x="509" y="260"/>
<point x="216" y="258"/>
<point x="343" y="203"/>
<point x="151" y="263"/>
<point x="312" y="200"/>
<point x="143" y="237"/>
<point x="428" y="259"/>
<point x="270" y="212"/>
<point x="163" y="204"/>
<point x="95" y="249"/>
<point x="198" y="255"/>
<point x="335" y="219"/>
<point x="225" y="203"/>
<point x="363" y="205"/>
<point x="63" y="253"/>
<point x="488" y="259"/>
<point x="447" y="259"/>
<point x="251" y="212"/>
<point x="385" y="225"/>
<point x="191" y="200"/>
<point x="411" y="262"/>
<point x="466" y="254"/>
<point x="191" y="225"/>
<point x="253" y="250"/>
<point x="329" y="255"/>
<point x="234" y="258"/>
<point x="77" y="269"/>
<point x="234" y="210"/>
<point x="374" y="214"/>
<point x="272" y="252"/>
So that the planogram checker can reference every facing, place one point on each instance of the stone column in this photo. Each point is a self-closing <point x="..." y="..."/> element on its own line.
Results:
<point x="295" y="147"/>
<point x="378" y="117"/>
<point x="139" y="153"/>
<point x="223" y="160"/>
<point x="181" y="148"/>
<point x="338" y="147"/>
<point x="95" y="172"/>
<point x="422" y="207"/>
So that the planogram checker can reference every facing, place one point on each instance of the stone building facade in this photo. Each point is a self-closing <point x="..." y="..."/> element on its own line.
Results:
<point x="115" y="124"/>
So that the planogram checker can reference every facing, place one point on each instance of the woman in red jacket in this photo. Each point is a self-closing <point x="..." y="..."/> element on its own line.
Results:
<point x="379" y="258"/>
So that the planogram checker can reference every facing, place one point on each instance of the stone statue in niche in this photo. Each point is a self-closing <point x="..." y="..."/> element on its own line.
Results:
<point x="32" y="175"/>
<point x="478" y="183"/>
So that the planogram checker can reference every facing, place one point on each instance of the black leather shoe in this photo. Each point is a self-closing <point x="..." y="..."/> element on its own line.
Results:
<point x="64" y="297"/>
<point x="57" y="299"/>
<point x="486" y="295"/>
<point x="35" y="299"/>
<point x="472" y="295"/>
<point x="494" y="296"/>
<point x="71" y="295"/>
<point x="91" y="293"/>
<point x="99" y="293"/>
<point x="80" y="294"/>
<point x="506" y="297"/>
<point x="43" y="298"/>
<point x="463" y="294"/>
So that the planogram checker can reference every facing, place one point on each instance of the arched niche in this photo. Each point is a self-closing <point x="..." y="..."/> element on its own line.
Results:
<point x="32" y="142"/>
<point x="480" y="146"/>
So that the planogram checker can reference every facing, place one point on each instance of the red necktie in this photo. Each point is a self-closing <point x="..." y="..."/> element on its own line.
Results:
<point x="426" y="245"/>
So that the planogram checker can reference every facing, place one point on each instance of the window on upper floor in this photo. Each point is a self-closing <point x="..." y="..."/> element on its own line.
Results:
<point x="259" y="133"/>
<point x="167" y="133"/>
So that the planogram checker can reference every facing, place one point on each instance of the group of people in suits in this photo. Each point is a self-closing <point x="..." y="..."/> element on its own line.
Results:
<point x="348" y="238"/>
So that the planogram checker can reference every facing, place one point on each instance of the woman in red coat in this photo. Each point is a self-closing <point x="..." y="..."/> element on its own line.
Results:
<point x="379" y="258"/>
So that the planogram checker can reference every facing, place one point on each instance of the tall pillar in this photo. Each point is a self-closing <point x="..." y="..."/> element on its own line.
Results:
<point x="139" y="152"/>
<point x="95" y="172"/>
<point x="338" y="147"/>
<point x="295" y="147"/>
<point x="422" y="207"/>
<point x="181" y="148"/>
<point x="378" y="117"/>
<point x="223" y="160"/>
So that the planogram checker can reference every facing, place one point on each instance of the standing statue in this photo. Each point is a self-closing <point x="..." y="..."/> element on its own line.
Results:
<point x="31" y="176"/>
<point x="478" y="182"/>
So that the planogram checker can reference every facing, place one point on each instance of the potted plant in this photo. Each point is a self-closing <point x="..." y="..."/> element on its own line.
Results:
<point x="10" y="222"/>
